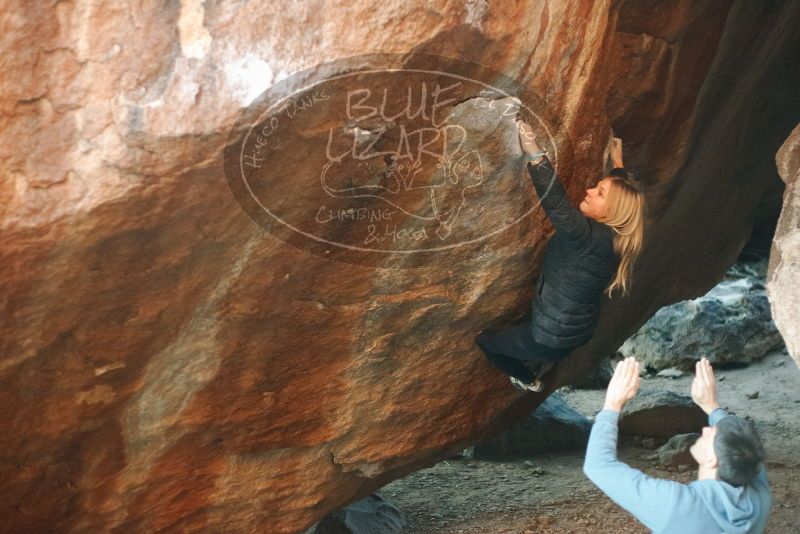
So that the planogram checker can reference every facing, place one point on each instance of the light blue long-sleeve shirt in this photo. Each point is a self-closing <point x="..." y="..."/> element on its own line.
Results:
<point x="666" y="506"/>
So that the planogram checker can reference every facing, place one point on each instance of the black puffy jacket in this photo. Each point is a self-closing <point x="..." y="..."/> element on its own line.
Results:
<point x="578" y="265"/>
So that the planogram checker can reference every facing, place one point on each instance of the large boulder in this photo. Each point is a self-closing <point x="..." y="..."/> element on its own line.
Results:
<point x="784" y="261"/>
<point x="372" y="515"/>
<point x="729" y="325"/>
<point x="169" y="365"/>
<point x="554" y="426"/>
<point x="661" y="414"/>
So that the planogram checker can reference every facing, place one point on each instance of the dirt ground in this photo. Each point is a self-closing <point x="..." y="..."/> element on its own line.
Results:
<point x="550" y="494"/>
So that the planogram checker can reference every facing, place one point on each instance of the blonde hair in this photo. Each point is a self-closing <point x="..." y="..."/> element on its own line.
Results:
<point x="625" y="215"/>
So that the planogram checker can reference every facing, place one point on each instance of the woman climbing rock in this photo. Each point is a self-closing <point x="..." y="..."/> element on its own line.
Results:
<point x="592" y="253"/>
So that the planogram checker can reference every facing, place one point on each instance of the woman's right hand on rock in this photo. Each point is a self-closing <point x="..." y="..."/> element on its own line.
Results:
<point x="527" y="139"/>
<point x="616" y="152"/>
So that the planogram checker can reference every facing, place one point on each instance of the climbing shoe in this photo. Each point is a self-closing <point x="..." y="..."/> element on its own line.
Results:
<point x="536" y="386"/>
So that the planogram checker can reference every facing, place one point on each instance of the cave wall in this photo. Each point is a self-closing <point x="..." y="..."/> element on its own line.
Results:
<point x="168" y="365"/>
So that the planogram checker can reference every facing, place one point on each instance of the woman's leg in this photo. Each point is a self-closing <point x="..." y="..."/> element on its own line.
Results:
<point x="510" y="366"/>
<point x="517" y="341"/>
<point x="545" y="354"/>
<point x="514" y="351"/>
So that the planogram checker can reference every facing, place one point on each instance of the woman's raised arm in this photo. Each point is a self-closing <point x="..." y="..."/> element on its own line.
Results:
<point x="565" y="218"/>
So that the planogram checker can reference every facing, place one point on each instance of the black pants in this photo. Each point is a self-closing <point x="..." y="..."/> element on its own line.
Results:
<point x="513" y="350"/>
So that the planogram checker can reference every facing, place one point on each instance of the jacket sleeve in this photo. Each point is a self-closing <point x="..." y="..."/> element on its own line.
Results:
<point x="566" y="219"/>
<point x="651" y="500"/>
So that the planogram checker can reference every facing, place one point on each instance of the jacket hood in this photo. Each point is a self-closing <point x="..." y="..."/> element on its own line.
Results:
<point x="735" y="510"/>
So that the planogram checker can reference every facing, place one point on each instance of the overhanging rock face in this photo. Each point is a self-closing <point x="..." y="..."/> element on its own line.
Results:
<point x="166" y="364"/>
<point x="784" y="262"/>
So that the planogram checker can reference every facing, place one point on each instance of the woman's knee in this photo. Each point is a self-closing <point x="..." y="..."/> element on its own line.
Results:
<point x="494" y="359"/>
<point x="481" y="340"/>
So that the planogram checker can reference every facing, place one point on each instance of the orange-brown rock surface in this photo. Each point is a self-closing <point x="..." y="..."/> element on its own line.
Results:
<point x="167" y="365"/>
<point x="784" y="259"/>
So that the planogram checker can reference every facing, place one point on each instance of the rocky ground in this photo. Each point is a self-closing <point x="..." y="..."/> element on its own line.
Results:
<point x="549" y="493"/>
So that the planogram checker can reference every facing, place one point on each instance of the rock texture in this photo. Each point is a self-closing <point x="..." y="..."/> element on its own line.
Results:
<point x="784" y="260"/>
<point x="676" y="451"/>
<point x="166" y="365"/>
<point x="597" y="378"/>
<point x="729" y="325"/>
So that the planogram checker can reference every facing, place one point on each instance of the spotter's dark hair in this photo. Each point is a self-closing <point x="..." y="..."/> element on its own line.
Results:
<point x="739" y="450"/>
